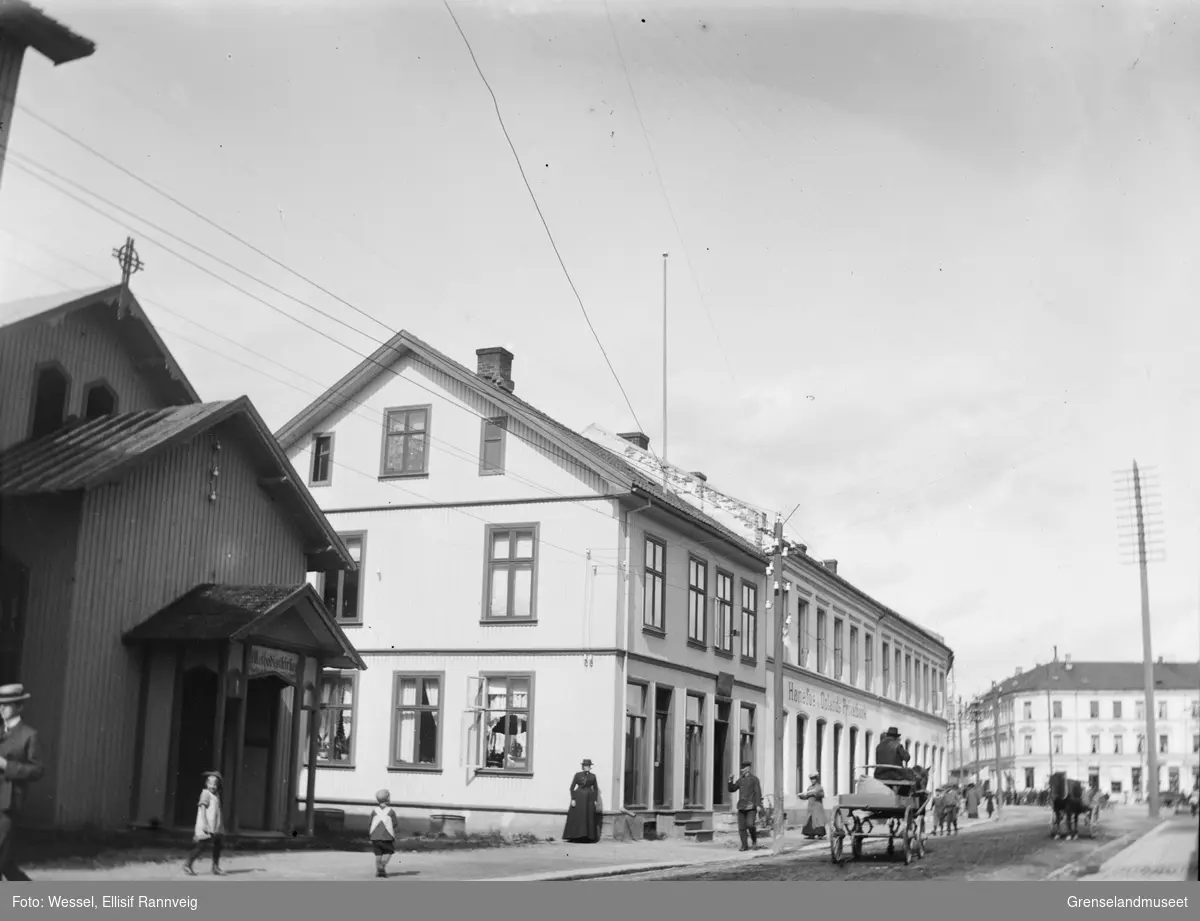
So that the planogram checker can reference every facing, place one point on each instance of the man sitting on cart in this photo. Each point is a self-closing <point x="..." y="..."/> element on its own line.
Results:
<point x="890" y="758"/>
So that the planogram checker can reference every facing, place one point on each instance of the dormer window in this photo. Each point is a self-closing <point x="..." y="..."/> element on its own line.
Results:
<point x="50" y="391"/>
<point x="100" y="401"/>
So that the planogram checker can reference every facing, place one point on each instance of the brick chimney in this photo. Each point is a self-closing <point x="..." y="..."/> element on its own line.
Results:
<point x="495" y="365"/>
<point x="637" y="438"/>
<point x="700" y="476"/>
<point x="831" y="565"/>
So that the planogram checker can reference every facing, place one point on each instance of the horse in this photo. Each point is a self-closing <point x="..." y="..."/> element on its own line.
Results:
<point x="1069" y="801"/>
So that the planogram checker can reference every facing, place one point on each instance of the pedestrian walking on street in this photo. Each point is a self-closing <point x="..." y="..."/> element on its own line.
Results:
<point x="383" y="832"/>
<point x="814" y="825"/>
<point x="950" y="809"/>
<point x="210" y="825"/>
<point x="19" y="766"/>
<point x="749" y="801"/>
<point x="939" y="800"/>
<point x="990" y="804"/>
<point x="584" y="815"/>
<point x="972" y="801"/>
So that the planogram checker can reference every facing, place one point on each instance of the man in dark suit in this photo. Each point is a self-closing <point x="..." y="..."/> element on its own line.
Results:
<point x="891" y="758"/>
<point x="749" y="801"/>
<point x="19" y="765"/>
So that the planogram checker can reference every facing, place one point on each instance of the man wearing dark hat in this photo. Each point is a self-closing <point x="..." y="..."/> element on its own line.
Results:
<point x="890" y="758"/>
<point x="749" y="801"/>
<point x="19" y="765"/>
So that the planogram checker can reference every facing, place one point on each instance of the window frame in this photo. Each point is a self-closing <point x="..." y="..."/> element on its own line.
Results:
<point x="822" y="639"/>
<point x="1117" y="710"/>
<point x="99" y="383"/>
<point x="723" y="615"/>
<point x="38" y="370"/>
<point x="886" y="668"/>
<point x="839" y="649"/>
<point x="350" y="763"/>
<point x="749" y="617"/>
<point x="869" y="663"/>
<point x="700" y="769"/>
<point x="384" y="473"/>
<point x="802" y="621"/>
<point x="659" y="629"/>
<point x="527" y="771"/>
<point x="1027" y="710"/>
<point x="312" y="461"/>
<point x="642" y="765"/>
<point x="852" y="655"/>
<point x="500" y="423"/>
<point x="1095" y="743"/>
<point x="438" y="766"/>
<point x="1093" y="709"/>
<point x="747" y="708"/>
<point x="697" y="597"/>
<point x="341" y="574"/>
<point x="1056" y="709"/>
<point x="1058" y="743"/>
<point x="489" y="531"/>
<point x="1164" y="743"/>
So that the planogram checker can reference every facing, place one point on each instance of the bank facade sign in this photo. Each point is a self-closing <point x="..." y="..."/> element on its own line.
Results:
<point x="801" y="695"/>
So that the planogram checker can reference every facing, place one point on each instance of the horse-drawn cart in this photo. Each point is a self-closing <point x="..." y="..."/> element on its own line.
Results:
<point x="877" y="809"/>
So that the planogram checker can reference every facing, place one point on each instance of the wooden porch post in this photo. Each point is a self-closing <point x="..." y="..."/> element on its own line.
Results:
<point x="295" y="758"/>
<point x="219" y="722"/>
<point x="139" y="743"/>
<point x="239" y="755"/>
<point x="314" y="722"/>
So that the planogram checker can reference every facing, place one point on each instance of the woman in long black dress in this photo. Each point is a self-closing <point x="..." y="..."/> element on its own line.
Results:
<point x="583" y="821"/>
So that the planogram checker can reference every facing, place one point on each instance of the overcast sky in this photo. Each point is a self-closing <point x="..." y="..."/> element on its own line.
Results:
<point x="932" y="264"/>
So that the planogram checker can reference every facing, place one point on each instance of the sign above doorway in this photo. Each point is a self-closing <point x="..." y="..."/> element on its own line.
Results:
<point x="263" y="661"/>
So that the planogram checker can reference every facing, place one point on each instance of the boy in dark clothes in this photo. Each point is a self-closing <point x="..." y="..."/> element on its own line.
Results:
<point x="383" y="833"/>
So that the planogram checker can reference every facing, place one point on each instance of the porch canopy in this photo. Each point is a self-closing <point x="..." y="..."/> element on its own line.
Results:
<point x="291" y="615"/>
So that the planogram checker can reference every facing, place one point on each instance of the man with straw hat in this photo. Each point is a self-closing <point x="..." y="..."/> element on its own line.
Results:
<point x="19" y="765"/>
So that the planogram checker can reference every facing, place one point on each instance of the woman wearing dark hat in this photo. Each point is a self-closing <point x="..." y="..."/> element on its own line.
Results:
<point x="814" y="825"/>
<point x="210" y="825"/>
<point x="584" y="816"/>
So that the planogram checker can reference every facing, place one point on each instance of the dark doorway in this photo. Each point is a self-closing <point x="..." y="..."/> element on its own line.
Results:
<point x="837" y="758"/>
<point x="260" y="776"/>
<point x="721" y="766"/>
<point x="801" y="729"/>
<point x="662" y="745"/>
<point x="14" y="597"/>
<point x="49" y="402"/>
<point x="198" y="713"/>
<point x="853" y="755"/>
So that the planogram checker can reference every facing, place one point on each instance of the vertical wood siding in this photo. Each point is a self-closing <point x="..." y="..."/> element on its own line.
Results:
<point x="12" y="52"/>
<point x="143" y="543"/>
<point x="41" y="532"/>
<point x="86" y="349"/>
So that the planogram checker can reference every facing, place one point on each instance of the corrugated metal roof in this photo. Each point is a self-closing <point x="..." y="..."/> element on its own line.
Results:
<point x="1103" y="676"/>
<point x="213" y="612"/>
<point x="43" y="33"/>
<point x="84" y="455"/>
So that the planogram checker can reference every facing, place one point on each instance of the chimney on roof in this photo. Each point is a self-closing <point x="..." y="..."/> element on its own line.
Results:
<point x="803" y="548"/>
<point x="831" y="565"/>
<point x="495" y="366"/>
<point x="1017" y="672"/>
<point x="700" y="476"/>
<point x="637" y="438"/>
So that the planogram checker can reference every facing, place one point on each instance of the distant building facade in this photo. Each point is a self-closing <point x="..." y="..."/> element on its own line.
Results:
<point x="1088" y="719"/>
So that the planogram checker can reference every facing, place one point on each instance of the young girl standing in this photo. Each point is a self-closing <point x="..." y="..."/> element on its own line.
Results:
<point x="209" y="824"/>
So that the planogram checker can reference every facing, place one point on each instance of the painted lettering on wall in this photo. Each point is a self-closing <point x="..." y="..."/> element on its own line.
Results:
<point x="804" y="696"/>
<point x="263" y="661"/>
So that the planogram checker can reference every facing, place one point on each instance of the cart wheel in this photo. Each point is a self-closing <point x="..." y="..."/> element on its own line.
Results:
<point x="908" y="836"/>
<point x="837" y="837"/>
<point x="921" y="838"/>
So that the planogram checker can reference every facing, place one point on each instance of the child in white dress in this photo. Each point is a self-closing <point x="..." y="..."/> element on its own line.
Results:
<point x="210" y="826"/>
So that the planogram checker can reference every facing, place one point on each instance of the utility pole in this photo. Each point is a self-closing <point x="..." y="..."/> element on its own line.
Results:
<point x="1138" y="521"/>
<point x="962" y="766"/>
<point x="664" y="319"/>
<point x="977" y="715"/>
<point x="998" y="793"/>
<point x="780" y="627"/>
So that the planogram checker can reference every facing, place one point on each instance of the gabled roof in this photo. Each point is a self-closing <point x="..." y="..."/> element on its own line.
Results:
<point x="604" y="462"/>
<point x="212" y="612"/>
<point x="38" y="31"/>
<point x="106" y="450"/>
<point x="131" y="325"/>
<point x="1103" y="676"/>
